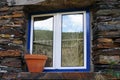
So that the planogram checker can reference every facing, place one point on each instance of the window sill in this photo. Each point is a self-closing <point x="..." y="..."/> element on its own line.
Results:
<point x="51" y="75"/>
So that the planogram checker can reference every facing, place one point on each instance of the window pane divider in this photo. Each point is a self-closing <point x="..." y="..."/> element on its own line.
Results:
<point x="57" y="41"/>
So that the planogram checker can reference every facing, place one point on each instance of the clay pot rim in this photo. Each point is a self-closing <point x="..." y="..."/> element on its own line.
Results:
<point x="35" y="56"/>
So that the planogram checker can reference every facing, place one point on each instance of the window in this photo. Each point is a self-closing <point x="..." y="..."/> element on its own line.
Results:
<point x="64" y="38"/>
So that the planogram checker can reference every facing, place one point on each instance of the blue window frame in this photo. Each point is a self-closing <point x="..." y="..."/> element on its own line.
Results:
<point x="64" y="37"/>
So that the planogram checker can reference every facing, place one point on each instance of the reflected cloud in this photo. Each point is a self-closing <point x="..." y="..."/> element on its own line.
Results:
<point x="44" y="24"/>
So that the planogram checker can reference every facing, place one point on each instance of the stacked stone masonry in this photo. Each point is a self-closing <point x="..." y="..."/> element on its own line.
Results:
<point x="106" y="35"/>
<point x="12" y="38"/>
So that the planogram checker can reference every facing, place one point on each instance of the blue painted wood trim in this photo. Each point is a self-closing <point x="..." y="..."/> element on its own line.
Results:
<point x="60" y="10"/>
<point x="28" y="34"/>
<point x="88" y="39"/>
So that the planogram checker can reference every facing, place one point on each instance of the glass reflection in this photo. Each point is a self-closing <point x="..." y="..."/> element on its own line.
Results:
<point x="43" y="37"/>
<point x="72" y="40"/>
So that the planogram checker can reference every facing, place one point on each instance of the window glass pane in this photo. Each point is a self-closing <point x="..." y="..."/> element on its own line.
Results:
<point x="72" y="40"/>
<point x="43" y="37"/>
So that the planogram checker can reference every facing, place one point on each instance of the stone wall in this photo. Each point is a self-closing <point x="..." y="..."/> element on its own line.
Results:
<point x="106" y="35"/>
<point x="12" y="38"/>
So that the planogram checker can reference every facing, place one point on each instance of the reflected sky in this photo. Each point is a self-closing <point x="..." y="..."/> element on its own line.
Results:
<point x="70" y="23"/>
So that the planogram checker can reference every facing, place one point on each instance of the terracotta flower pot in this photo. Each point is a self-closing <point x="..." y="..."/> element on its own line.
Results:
<point x="35" y="63"/>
